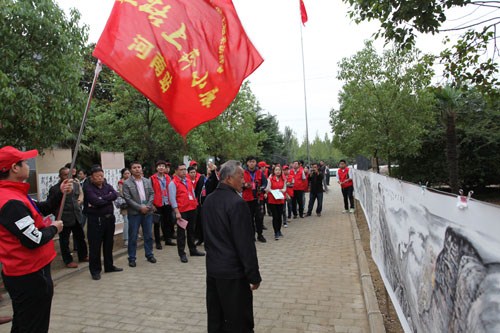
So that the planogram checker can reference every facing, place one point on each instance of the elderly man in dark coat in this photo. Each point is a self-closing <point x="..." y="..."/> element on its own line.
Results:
<point x="232" y="265"/>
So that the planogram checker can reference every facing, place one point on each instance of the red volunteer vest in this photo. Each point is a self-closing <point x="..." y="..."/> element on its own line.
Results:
<point x="256" y="182"/>
<point x="289" y="185"/>
<point x="276" y="184"/>
<point x="343" y="175"/>
<point x="186" y="200"/>
<point x="17" y="259"/>
<point x="300" y="184"/>
<point x="158" y="202"/>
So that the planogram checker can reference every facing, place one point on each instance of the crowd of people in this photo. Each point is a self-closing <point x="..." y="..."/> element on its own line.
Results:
<point x="167" y="207"/>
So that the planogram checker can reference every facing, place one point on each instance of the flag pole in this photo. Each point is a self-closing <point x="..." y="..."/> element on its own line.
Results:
<point x="305" y="93"/>
<point x="98" y="69"/>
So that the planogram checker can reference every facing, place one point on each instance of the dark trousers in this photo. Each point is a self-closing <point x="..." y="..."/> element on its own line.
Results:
<point x="100" y="232"/>
<point x="298" y="200"/>
<point x="199" y="227"/>
<point x="257" y="217"/>
<point x="78" y="239"/>
<point x="312" y="197"/>
<point x="31" y="296"/>
<point x="277" y="212"/>
<point x="189" y="216"/>
<point x="229" y="306"/>
<point x="348" y="194"/>
<point x="166" y="224"/>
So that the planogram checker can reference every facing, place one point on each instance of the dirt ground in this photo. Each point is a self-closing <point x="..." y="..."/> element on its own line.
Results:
<point x="391" y="321"/>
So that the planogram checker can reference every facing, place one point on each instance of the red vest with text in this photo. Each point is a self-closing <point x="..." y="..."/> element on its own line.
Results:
<point x="343" y="175"/>
<point x="158" y="200"/>
<point x="276" y="184"/>
<point x="300" y="184"/>
<point x="256" y="181"/>
<point x="186" y="200"/>
<point x="17" y="259"/>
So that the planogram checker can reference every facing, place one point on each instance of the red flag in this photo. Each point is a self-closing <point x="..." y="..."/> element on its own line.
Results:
<point x="189" y="57"/>
<point x="303" y="13"/>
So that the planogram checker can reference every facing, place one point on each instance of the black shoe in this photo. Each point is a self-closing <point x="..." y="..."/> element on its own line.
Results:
<point x="132" y="263"/>
<point x="289" y="217"/>
<point x="159" y="247"/>
<point x="197" y="254"/>
<point x="184" y="259"/>
<point x="308" y="214"/>
<point x="301" y="216"/>
<point x="295" y="216"/>
<point x="170" y="242"/>
<point x="261" y="239"/>
<point x="152" y="259"/>
<point x="114" y="269"/>
<point x="96" y="276"/>
<point x="264" y="227"/>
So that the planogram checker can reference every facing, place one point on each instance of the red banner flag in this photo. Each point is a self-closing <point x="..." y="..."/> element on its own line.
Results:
<point x="189" y="57"/>
<point x="303" y="13"/>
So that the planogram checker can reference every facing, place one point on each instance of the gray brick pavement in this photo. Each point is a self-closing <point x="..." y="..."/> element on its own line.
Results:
<point x="310" y="284"/>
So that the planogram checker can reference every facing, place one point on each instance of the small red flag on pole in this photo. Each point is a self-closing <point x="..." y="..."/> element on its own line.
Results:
<point x="303" y="13"/>
<point x="189" y="57"/>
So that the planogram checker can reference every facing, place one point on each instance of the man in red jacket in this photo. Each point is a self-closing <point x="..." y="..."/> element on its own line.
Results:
<point x="252" y="189"/>
<point x="344" y="178"/>
<point x="160" y="181"/>
<point x="299" y="188"/>
<point x="26" y="245"/>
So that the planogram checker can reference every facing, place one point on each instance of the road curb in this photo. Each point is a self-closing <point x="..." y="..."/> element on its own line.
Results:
<point x="375" y="319"/>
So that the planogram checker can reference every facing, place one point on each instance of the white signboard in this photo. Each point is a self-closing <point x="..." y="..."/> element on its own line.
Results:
<point x="45" y="182"/>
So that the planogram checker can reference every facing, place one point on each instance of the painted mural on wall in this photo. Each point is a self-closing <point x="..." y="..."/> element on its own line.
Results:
<point x="440" y="263"/>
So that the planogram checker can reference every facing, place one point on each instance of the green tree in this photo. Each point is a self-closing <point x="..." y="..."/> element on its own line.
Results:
<point x="290" y="144"/>
<point x="272" y="145"/>
<point x="384" y="103"/>
<point x="232" y="134"/>
<point x="464" y="63"/>
<point x="40" y="70"/>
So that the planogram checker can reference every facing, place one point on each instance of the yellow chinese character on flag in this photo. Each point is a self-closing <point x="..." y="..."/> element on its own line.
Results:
<point x="181" y="33"/>
<point x="166" y="82"/>
<point x="200" y="82"/>
<point x="142" y="46"/>
<point x="190" y="58"/>
<point x="156" y="15"/>
<point x="158" y="63"/>
<point x="132" y="2"/>
<point x="207" y="98"/>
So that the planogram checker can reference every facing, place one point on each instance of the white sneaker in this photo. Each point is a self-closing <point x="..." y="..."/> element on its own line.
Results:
<point x="351" y="210"/>
<point x="285" y="225"/>
<point x="345" y="211"/>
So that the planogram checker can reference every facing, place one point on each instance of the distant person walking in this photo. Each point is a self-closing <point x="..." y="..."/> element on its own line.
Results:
<point x="344" y="178"/>
<point x="316" y="190"/>
<point x="232" y="264"/>
<point x="276" y="191"/>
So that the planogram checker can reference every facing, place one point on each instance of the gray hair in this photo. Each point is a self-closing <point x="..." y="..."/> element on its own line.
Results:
<point x="228" y="169"/>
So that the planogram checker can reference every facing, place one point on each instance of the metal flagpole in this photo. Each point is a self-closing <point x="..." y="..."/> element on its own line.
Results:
<point x="305" y="93"/>
<point x="98" y="69"/>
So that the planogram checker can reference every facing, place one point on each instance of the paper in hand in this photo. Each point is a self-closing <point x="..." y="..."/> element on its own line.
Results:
<point x="182" y="223"/>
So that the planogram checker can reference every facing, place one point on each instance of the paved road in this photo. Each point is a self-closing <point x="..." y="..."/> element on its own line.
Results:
<point x="310" y="284"/>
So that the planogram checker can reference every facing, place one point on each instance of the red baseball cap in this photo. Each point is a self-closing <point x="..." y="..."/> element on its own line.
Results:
<point x="10" y="155"/>
<point x="262" y="164"/>
<point x="285" y="167"/>
<point x="193" y="162"/>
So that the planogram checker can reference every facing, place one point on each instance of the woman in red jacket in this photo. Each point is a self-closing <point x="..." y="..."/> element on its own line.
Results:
<point x="276" y="190"/>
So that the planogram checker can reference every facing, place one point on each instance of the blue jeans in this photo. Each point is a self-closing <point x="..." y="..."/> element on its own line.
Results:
<point x="146" y="222"/>
<point x="125" y="227"/>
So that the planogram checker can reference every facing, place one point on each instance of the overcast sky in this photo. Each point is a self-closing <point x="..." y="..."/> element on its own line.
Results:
<point x="274" y="28"/>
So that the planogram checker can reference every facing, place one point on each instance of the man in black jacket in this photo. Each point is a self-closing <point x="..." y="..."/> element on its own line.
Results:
<point x="232" y="264"/>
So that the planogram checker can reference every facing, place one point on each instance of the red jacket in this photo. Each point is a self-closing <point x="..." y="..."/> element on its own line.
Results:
<point x="276" y="184"/>
<point x="300" y="184"/>
<point x="249" y="194"/>
<point x="344" y="175"/>
<point x="186" y="200"/>
<point x="158" y="200"/>
<point x="16" y="258"/>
